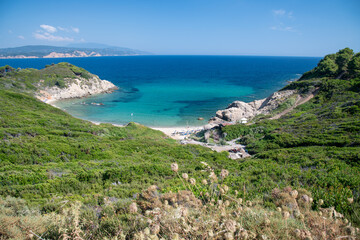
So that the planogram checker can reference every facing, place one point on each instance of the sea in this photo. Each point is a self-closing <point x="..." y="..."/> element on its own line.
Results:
<point x="174" y="91"/>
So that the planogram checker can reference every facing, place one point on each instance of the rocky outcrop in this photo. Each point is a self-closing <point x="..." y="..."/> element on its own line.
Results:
<point x="72" y="54"/>
<point x="238" y="110"/>
<point x="76" y="88"/>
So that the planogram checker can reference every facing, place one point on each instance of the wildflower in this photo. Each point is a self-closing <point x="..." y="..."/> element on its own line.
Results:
<point x="155" y="229"/>
<point x="286" y="214"/>
<point x="350" y="200"/>
<point x="244" y="235"/>
<point x="263" y="237"/>
<point x="249" y="203"/>
<point x="152" y="188"/>
<point x="184" y="212"/>
<point x="297" y="232"/>
<point x="222" y="191"/>
<point x="297" y="213"/>
<point x="227" y="203"/>
<point x="224" y="173"/>
<point x="236" y="193"/>
<point x="147" y="231"/>
<point x="267" y="222"/>
<point x="240" y="200"/>
<point x="133" y="208"/>
<point x="230" y="225"/>
<point x="219" y="202"/>
<point x="210" y="233"/>
<point x="294" y="194"/>
<point x="305" y="198"/>
<point x="229" y="236"/>
<point x="175" y="236"/>
<point x="204" y="181"/>
<point x="174" y="167"/>
<point x="185" y="176"/>
<point x="213" y="177"/>
<point x="226" y="188"/>
<point x="278" y="209"/>
<point x="192" y="181"/>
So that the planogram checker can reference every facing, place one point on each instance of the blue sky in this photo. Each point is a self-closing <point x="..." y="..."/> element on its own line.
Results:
<point x="214" y="27"/>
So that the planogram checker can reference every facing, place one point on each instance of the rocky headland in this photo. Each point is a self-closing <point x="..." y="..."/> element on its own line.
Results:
<point x="239" y="111"/>
<point x="76" y="88"/>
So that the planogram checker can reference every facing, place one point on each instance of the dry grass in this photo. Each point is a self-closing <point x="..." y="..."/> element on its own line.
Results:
<point x="215" y="214"/>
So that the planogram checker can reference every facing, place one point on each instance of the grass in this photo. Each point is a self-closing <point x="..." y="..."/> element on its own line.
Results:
<point x="68" y="178"/>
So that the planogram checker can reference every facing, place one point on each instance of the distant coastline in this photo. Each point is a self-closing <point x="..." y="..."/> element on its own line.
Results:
<point x="44" y="51"/>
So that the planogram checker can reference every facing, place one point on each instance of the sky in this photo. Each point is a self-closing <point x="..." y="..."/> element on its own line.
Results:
<point x="187" y="27"/>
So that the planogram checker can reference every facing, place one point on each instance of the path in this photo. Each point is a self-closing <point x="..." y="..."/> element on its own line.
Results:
<point x="299" y="100"/>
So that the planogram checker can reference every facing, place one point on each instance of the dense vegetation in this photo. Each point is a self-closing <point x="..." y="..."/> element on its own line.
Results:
<point x="50" y="159"/>
<point x="29" y="80"/>
<point x="318" y="143"/>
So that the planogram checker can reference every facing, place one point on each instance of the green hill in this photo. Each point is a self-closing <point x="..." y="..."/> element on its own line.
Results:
<point x="51" y="160"/>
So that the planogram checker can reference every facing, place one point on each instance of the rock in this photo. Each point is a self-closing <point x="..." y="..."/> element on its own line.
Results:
<point x="238" y="109"/>
<point x="77" y="88"/>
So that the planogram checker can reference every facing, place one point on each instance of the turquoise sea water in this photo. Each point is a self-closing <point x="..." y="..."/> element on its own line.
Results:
<point x="175" y="90"/>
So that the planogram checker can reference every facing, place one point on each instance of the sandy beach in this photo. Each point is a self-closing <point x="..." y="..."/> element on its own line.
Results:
<point x="178" y="133"/>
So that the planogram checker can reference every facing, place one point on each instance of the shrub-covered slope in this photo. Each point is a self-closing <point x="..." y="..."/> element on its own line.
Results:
<point x="318" y="143"/>
<point x="51" y="159"/>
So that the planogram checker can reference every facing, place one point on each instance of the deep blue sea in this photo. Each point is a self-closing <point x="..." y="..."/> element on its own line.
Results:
<point x="175" y="90"/>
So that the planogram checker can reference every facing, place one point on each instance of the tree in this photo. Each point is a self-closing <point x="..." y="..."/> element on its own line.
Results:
<point x="343" y="57"/>
<point x="327" y="66"/>
<point x="354" y="66"/>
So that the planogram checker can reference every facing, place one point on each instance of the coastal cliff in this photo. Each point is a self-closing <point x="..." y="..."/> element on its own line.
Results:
<point x="76" y="88"/>
<point x="54" y="82"/>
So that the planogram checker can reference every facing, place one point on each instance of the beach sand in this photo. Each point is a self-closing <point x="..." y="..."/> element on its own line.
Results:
<point x="178" y="133"/>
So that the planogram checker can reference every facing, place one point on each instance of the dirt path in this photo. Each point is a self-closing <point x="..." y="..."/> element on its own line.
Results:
<point x="299" y="100"/>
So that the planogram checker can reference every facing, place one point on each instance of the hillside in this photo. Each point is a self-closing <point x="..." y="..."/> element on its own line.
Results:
<point x="73" y="179"/>
<point x="43" y="51"/>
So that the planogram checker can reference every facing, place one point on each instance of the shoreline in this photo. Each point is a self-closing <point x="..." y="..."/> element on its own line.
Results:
<point x="176" y="132"/>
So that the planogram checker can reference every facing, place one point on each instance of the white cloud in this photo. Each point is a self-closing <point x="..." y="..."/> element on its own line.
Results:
<point x="48" y="28"/>
<point x="283" y="28"/>
<point x="50" y="37"/>
<point x="47" y="33"/>
<point x="21" y="37"/>
<point x="63" y="29"/>
<point x="290" y="15"/>
<point x="75" y="29"/>
<point x="279" y="12"/>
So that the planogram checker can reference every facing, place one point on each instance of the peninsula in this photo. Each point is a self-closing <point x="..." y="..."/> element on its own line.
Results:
<point x="55" y="82"/>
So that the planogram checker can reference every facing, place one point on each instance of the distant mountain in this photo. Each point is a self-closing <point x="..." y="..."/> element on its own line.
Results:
<point x="75" y="50"/>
